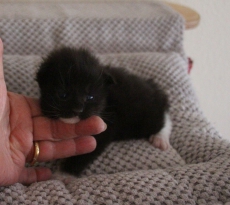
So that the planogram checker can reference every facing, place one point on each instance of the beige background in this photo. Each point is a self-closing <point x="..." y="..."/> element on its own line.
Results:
<point x="209" y="46"/>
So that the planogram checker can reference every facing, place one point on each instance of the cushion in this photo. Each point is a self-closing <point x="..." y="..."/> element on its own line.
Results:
<point x="196" y="170"/>
<point x="104" y="27"/>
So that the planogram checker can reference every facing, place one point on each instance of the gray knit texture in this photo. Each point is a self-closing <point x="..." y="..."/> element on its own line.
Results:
<point x="195" y="170"/>
<point x="103" y="27"/>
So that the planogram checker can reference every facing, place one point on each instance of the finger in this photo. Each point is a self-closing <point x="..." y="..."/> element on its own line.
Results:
<point x="3" y="92"/>
<point x="1" y="60"/>
<point x="53" y="130"/>
<point x="34" y="106"/>
<point x="63" y="149"/>
<point x="46" y="129"/>
<point x="31" y="175"/>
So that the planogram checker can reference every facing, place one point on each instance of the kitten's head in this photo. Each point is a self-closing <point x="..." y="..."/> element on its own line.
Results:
<point x="73" y="85"/>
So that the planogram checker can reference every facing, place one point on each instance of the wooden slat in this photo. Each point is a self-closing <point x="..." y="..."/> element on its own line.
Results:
<point x="192" y="18"/>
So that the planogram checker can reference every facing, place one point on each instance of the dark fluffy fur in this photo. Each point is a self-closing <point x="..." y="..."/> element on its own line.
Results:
<point x="73" y="82"/>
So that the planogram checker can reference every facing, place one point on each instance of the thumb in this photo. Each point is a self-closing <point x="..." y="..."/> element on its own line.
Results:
<point x="1" y="60"/>
<point x="34" y="174"/>
<point x="3" y="92"/>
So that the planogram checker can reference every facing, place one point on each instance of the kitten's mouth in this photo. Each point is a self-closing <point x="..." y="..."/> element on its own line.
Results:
<point x="71" y="120"/>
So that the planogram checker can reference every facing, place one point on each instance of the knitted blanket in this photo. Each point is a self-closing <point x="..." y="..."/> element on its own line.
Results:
<point x="195" y="170"/>
<point x="104" y="27"/>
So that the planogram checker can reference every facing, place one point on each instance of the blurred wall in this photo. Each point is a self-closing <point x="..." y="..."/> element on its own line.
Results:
<point x="209" y="47"/>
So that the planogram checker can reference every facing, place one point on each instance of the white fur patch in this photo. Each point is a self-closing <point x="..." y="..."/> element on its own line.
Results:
<point x="72" y="120"/>
<point x="161" y="139"/>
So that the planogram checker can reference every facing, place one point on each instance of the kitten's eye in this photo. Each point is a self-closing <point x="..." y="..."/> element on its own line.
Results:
<point x="89" y="97"/>
<point x="62" y="95"/>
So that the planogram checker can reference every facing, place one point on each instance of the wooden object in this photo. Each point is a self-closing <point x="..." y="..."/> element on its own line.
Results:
<point x="192" y="18"/>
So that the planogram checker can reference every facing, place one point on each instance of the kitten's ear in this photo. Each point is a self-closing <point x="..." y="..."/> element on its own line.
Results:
<point x="108" y="78"/>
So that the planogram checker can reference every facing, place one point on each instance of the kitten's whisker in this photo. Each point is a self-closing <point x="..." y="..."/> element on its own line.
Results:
<point x="108" y="116"/>
<point x="70" y="71"/>
<point x="53" y="106"/>
<point x="54" y="113"/>
<point x="107" y="119"/>
<point x="102" y="71"/>
<point x="51" y="113"/>
<point x="55" y="102"/>
<point x="61" y="79"/>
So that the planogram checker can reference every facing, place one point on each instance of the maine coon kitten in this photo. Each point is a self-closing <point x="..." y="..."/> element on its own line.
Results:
<point x="74" y="86"/>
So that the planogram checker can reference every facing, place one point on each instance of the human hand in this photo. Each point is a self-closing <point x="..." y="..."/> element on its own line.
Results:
<point x="21" y="124"/>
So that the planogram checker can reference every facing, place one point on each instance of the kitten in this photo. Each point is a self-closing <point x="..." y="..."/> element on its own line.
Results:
<point x="74" y="86"/>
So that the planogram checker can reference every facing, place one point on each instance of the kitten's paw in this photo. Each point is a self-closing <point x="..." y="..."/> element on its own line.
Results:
<point x="159" y="142"/>
<point x="161" y="139"/>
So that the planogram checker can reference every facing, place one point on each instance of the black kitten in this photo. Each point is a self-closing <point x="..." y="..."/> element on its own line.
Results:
<point x="74" y="86"/>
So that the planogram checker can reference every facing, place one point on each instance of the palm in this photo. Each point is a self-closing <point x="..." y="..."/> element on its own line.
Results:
<point x="17" y="134"/>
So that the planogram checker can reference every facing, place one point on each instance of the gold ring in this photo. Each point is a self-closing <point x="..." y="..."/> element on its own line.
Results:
<point x="36" y="153"/>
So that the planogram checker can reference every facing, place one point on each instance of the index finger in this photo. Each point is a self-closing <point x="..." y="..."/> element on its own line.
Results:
<point x="1" y="63"/>
<point x="47" y="129"/>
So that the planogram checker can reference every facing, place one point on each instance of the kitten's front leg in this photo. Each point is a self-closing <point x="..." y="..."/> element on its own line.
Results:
<point x="161" y="139"/>
<point x="76" y="164"/>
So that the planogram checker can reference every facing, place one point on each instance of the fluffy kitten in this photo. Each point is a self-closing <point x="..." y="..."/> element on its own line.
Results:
<point x="74" y="86"/>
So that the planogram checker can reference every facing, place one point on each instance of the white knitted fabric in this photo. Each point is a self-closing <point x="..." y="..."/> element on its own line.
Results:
<point x="103" y="27"/>
<point x="196" y="170"/>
